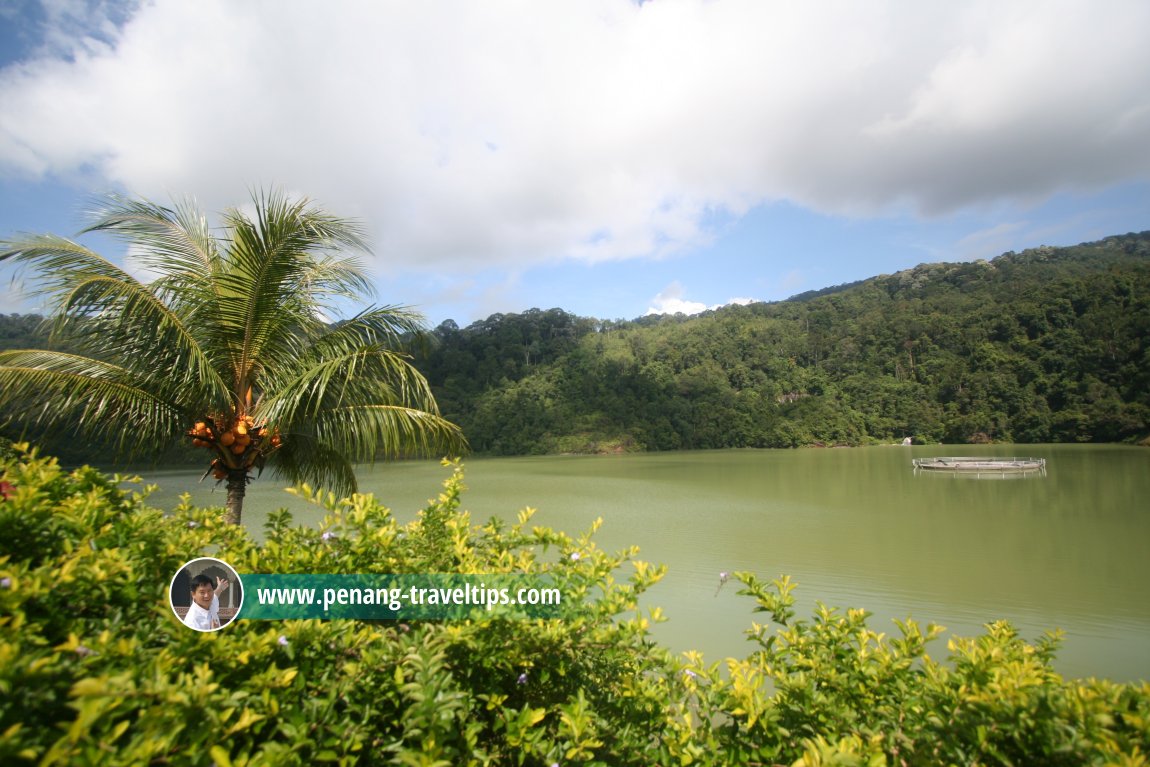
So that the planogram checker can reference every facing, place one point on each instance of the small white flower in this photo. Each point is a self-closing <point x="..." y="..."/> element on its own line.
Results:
<point x="283" y="641"/>
<point x="576" y="556"/>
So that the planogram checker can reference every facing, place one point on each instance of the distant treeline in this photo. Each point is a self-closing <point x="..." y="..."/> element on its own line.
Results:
<point x="1046" y="345"/>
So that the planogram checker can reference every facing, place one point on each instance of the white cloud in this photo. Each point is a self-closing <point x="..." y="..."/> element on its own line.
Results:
<point x="509" y="134"/>
<point x="671" y="301"/>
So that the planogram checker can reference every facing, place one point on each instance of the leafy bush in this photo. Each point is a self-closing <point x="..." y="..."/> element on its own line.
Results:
<point x="95" y="669"/>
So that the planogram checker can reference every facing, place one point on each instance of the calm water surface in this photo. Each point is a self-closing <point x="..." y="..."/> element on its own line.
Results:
<point x="854" y="527"/>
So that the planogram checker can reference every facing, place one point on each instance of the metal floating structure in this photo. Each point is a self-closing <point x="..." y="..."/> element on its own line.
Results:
<point x="981" y="467"/>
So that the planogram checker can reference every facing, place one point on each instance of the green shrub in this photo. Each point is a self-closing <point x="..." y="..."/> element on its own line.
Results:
<point x="95" y="669"/>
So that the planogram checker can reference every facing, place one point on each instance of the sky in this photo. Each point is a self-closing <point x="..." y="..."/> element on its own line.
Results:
<point x="608" y="157"/>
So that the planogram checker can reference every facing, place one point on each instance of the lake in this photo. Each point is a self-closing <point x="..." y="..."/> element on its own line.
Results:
<point x="855" y="527"/>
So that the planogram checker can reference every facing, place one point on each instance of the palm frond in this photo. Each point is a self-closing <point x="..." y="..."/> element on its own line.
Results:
<point x="168" y="241"/>
<point x="123" y="320"/>
<point x="378" y="324"/>
<point x="93" y="397"/>
<point x="366" y="432"/>
<point x="295" y="235"/>
<point x="61" y="264"/>
<point x="275" y="280"/>
<point x="110" y="314"/>
<point x="322" y="455"/>
<point x="336" y="277"/>
<point x="303" y="458"/>
<point x="337" y="377"/>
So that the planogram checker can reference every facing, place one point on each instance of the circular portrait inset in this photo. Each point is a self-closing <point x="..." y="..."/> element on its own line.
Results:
<point x="206" y="594"/>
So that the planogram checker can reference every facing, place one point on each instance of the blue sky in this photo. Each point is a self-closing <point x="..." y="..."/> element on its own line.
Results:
<point x="603" y="156"/>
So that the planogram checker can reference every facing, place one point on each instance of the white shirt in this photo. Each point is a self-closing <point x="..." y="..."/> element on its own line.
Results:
<point x="201" y="619"/>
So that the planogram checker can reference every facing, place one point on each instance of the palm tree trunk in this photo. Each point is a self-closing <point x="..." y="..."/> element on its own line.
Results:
<point x="237" y="486"/>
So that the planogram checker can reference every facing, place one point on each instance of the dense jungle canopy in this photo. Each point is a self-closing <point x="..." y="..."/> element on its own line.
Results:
<point x="1050" y="344"/>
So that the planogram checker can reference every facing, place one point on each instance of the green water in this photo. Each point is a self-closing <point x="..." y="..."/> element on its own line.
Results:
<point x="854" y="527"/>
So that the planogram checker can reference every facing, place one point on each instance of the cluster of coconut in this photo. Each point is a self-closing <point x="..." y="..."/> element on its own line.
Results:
<point x="245" y="436"/>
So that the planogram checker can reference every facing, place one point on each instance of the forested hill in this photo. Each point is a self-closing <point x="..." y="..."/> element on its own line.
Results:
<point x="1050" y="344"/>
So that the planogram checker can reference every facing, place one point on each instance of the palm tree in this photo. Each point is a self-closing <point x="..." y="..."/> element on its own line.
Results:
<point x="225" y="345"/>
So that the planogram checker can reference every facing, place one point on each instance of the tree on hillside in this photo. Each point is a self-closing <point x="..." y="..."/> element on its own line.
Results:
<point x="226" y="345"/>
